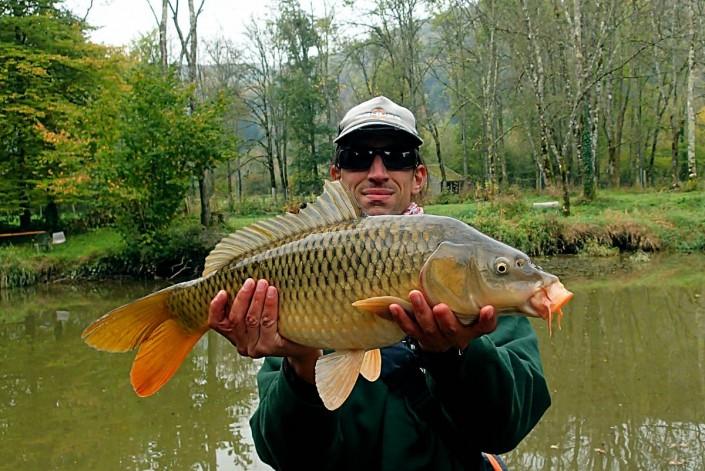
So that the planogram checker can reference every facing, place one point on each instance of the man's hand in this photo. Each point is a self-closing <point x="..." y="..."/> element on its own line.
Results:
<point x="436" y="328"/>
<point x="251" y="325"/>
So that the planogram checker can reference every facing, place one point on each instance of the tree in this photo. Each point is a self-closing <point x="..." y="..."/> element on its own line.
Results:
<point x="157" y="147"/>
<point x="260" y="97"/>
<point x="189" y="51"/>
<point x="304" y="92"/>
<point x="690" y="110"/>
<point x="49" y="73"/>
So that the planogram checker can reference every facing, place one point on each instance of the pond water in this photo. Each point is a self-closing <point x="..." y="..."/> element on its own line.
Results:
<point x="626" y="372"/>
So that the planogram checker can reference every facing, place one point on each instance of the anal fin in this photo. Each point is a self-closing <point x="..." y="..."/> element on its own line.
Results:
<point x="371" y="365"/>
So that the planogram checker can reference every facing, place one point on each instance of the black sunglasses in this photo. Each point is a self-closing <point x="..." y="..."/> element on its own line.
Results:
<point x="352" y="158"/>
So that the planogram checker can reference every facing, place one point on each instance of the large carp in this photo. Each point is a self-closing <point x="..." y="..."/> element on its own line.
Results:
<point x="337" y="273"/>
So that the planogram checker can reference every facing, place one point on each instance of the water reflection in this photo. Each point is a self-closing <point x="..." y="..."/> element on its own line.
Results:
<point x="627" y="374"/>
<point x="66" y="406"/>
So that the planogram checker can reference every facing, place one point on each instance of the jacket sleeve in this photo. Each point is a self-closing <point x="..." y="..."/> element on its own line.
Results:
<point x="495" y="389"/>
<point x="291" y="428"/>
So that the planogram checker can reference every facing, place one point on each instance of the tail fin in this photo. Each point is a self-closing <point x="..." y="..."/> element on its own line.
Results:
<point x="146" y="324"/>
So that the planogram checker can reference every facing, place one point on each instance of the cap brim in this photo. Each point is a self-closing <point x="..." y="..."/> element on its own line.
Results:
<point x="378" y="125"/>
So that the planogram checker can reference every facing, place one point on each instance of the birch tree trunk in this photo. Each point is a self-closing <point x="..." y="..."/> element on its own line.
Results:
<point x="205" y="189"/>
<point x="259" y="95"/>
<point x="538" y="76"/>
<point x="189" y="50"/>
<point x="676" y="130"/>
<point x="690" y="111"/>
<point x="164" y="53"/>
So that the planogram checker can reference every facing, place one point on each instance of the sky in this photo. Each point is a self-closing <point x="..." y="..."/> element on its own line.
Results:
<point x="121" y="21"/>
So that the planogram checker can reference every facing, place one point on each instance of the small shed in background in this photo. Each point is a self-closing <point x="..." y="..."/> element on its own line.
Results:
<point x="454" y="181"/>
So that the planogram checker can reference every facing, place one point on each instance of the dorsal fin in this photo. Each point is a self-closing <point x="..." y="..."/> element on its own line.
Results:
<point x="335" y="205"/>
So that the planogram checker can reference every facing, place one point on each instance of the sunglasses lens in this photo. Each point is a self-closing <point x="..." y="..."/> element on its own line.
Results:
<point x="354" y="159"/>
<point x="399" y="160"/>
<point x="361" y="159"/>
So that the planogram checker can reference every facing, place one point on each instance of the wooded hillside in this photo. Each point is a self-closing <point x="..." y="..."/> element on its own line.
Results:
<point x="546" y="95"/>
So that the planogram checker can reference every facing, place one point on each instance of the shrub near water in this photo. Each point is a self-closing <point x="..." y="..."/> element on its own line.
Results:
<point x="179" y="252"/>
<point x="614" y="222"/>
<point x="15" y="270"/>
<point x="511" y="220"/>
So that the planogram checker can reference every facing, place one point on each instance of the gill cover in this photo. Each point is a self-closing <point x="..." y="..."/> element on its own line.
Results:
<point x="450" y="276"/>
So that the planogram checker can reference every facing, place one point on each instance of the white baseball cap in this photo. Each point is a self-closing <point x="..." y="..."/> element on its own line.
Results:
<point x="379" y="113"/>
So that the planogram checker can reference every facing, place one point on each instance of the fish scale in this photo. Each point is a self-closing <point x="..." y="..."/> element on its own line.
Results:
<point x="319" y="277"/>
<point x="336" y="274"/>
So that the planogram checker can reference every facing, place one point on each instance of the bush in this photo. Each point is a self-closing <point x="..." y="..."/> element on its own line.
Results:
<point x="16" y="270"/>
<point x="180" y="251"/>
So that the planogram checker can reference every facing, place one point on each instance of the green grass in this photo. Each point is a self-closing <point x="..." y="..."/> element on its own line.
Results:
<point x="613" y="222"/>
<point x="80" y="246"/>
<point x="27" y="263"/>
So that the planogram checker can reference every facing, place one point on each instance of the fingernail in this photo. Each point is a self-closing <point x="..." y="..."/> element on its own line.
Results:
<point x="248" y="283"/>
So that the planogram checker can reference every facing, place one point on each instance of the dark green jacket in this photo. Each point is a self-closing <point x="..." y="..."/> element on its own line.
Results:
<point x="486" y="398"/>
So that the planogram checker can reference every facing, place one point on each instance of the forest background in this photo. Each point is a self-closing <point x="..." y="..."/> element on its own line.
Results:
<point x="152" y="151"/>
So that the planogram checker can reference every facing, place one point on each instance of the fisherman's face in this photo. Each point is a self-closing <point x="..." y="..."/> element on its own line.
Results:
<point x="378" y="190"/>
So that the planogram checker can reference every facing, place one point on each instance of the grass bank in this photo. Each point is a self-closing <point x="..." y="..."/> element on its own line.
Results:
<point x="614" y="222"/>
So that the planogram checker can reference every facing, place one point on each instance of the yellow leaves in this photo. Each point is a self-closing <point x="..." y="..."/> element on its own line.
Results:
<point x="30" y="68"/>
<point x="65" y="187"/>
<point x="50" y="137"/>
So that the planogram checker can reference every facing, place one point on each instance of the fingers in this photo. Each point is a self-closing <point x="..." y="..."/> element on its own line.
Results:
<point x="423" y="313"/>
<point x="242" y="301"/>
<point x="270" y="312"/>
<point x="217" y="320"/>
<point x="421" y="323"/>
<point x="437" y="328"/>
<point x="269" y="341"/>
<point x="447" y="323"/>
<point x="254" y="316"/>
<point x="236" y="316"/>
<point x="252" y="322"/>
<point x="405" y="321"/>
<point x="486" y="320"/>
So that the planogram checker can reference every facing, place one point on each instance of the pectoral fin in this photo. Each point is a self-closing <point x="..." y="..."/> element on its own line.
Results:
<point x="379" y="305"/>
<point x="336" y="374"/>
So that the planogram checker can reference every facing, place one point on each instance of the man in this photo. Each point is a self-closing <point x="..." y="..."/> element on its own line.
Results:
<point x="445" y="395"/>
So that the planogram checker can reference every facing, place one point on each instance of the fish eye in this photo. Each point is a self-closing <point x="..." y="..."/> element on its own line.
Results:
<point x="501" y="266"/>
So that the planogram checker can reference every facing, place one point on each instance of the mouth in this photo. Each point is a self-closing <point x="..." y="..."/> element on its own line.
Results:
<point x="377" y="195"/>
<point x="549" y="300"/>
<point x="377" y="192"/>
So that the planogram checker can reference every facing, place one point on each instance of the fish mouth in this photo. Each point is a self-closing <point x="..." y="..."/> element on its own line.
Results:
<point x="549" y="300"/>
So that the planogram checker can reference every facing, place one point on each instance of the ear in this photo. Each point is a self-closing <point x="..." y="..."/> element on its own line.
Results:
<point x="420" y="177"/>
<point x="334" y="173"/>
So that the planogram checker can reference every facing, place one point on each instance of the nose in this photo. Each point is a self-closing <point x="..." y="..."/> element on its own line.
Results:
<point x="377" y="171"/>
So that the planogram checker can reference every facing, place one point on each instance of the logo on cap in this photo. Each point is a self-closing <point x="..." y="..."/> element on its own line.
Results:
<point x="378" y="113"/>
<point x="381" y="114"/>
